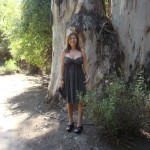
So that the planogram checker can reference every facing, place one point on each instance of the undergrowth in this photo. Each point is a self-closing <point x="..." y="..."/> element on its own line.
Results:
<point x="9" y="67"/>
<point x="120" y="108"/>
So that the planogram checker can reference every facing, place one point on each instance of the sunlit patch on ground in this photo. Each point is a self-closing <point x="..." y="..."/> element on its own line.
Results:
<point x="15" y="84"/>
<point x="11" y="86"/>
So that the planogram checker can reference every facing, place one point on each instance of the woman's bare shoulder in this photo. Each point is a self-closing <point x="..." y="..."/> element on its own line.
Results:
<point x="83" y="51"/>
<point x="63" y="52"/>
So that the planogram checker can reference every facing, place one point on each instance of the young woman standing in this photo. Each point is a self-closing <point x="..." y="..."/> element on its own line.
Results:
<point x="74" y="77"/>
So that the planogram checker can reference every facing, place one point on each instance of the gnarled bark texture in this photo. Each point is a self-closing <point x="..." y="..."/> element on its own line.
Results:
<point x="96" y="34"/>
<point x="132" y="20"/>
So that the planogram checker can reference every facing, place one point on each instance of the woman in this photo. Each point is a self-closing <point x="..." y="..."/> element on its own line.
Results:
<point x="74" y="77"/>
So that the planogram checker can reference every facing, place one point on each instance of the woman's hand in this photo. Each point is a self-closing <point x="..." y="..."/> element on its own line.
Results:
<point x="62" y="84"/>
<point x="87" y="80"/>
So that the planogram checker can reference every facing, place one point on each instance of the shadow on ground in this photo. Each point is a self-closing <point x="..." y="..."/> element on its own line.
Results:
<point x="41" y="127"/>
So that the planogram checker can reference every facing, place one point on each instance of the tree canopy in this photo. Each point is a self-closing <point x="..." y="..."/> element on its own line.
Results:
<point x="26" y="24"/>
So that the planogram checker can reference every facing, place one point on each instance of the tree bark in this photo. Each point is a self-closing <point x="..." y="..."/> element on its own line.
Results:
<point x="131" y="19"/>
<point x="96" y="36"/>
<point x="109" y="9"/>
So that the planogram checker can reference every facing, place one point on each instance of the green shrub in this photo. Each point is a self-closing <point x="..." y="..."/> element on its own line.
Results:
<point x="119" y="108"/>
<point x="9" y="67"/>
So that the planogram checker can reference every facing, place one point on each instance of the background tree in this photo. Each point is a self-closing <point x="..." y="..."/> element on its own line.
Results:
<point x="26" y="24"/>
<point x="100" y="40"/>
<point x="131" y="20"/>
<point x="6" y="21"/>
<point x="4" y="50"/>
<point x="35" y="33"/>
<point x="97" y="36"/>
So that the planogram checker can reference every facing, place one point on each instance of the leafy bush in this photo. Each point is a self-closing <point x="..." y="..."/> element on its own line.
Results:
<point x="4" y="50"/>
<point x="119" y="108"/>
<point x="26" y="26"/>
<point x="9" y="67"/>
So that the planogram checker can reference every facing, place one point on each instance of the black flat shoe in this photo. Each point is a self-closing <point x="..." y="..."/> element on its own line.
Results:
<point x="70" y="127"/>
<point x="78" y="130"/>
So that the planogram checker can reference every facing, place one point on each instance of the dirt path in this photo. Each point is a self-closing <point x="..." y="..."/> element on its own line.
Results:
<point x="28" y="123"/>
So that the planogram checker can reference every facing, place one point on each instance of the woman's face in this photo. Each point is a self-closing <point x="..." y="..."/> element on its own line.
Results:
<point x="72" y="40"/>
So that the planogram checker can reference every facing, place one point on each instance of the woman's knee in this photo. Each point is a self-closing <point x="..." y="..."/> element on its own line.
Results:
<point x="80" y="106"/>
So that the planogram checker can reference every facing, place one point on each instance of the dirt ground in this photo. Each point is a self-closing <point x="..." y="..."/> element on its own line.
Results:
<point x="27" y="122"/>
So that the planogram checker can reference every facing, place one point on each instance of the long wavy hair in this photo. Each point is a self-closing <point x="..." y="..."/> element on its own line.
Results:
<point x="68" y="46"/>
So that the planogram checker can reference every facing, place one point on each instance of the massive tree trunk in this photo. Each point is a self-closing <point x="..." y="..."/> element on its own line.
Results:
<point x="132" y="20"/>
<point x="96" y="36"/>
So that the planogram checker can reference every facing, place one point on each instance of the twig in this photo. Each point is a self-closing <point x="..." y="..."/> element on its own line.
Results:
<point x="90" y="124"/>
<point x="124" y="144"/>
<point x="57" y="118"/>
<point x="109" y="31"/>
<point x="101" y="29"/>
<point x="39" y="104"/>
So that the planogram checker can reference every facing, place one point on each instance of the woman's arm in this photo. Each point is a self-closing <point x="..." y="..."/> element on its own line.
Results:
<point x="85" y="66"/>
<point x="62" y="69"/>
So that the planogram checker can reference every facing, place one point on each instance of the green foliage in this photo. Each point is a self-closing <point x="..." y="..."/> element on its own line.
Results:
<point x="4" y="50"/>
<point x="26" y="25"/>
<point x="35" y="32"/>
<point x="8" y="17"/>
<point x="119" y="108"/>
<point x="107" y="7"/>
<point x="9" y="67"/>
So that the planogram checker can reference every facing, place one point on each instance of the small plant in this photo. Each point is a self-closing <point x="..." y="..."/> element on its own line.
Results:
<point x="9" y="67"/>
<point x="119" y="108"/>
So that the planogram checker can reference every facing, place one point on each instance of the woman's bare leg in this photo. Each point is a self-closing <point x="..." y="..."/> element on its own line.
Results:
<point x="80" y="114"/>
<point x="70" y="113"/>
